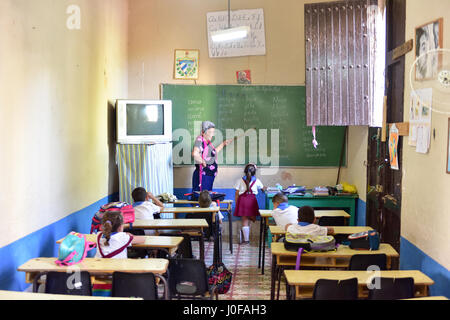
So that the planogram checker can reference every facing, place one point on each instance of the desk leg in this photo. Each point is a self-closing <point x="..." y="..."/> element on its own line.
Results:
<point x="260" y="241"/>
<point x="273" y="277"/>
<point x="166" y="286"/>
<point x="202" y="246"/>
<point x="230" y="229"/>
<point x="264" y="246"/>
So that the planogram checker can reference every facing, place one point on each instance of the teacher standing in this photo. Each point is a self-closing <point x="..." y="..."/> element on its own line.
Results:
<point x="205" y="157"/>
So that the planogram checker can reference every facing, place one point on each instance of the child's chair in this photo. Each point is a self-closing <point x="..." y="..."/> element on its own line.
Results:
<point x="69" y="283"/>
<point x="142" y="285"/>
<point x="188" y="279"/>
<point x="326" y="289"/>
<point x="364" y="261"/>
<point x="393" y="289"/>
<point x="332" y="221"/>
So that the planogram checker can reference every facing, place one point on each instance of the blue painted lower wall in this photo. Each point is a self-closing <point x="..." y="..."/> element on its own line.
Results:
<point x="412" y="258"/>
<point x="360" y="213"/>
<point x="42" y="243"/>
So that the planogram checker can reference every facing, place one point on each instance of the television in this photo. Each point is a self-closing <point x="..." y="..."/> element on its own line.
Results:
<point x="144" y="121"/>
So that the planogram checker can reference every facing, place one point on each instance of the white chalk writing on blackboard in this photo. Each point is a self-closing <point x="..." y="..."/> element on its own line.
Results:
<point x="254" y="44"/>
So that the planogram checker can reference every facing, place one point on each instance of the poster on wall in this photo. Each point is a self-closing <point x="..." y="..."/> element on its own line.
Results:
<point x="420" y="119"/>
<point x="393" y="144"/>
<point x="243" y="77"/>
<point x="186" y="64"/>
<point x="429" y="37"/>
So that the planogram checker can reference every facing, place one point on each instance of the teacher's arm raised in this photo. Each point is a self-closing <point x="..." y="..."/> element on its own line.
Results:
<point x="223" y="144"/>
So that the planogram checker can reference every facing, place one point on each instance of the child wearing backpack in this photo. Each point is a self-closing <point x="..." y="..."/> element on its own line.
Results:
<point x="112" y="242"/>
<point x="246" y="204"/>
<point x="306" y="220"/>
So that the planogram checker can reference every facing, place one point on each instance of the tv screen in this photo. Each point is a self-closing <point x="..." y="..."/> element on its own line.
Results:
<point x="145" y="119"/>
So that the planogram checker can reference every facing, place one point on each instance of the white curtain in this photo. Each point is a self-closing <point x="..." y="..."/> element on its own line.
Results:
<point x="147" y="166"/>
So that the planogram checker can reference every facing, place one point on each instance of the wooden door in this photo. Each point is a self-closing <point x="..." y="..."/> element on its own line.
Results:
<point x="385" y="184"/>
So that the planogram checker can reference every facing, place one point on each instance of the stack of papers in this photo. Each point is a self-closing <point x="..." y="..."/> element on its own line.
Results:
<point x="320" y="191"/>
<point x="295" y="190"/>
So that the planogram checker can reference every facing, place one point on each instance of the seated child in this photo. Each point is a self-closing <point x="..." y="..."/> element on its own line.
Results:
<point x="306" y="220"/>
<point x="112" y="242"/>
<point x="144" y="209"/>
<point x="205" y="201"/>
<point x="283" y="213"/>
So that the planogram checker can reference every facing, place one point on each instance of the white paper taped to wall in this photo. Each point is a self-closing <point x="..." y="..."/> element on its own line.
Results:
<point x="254" y="44"/>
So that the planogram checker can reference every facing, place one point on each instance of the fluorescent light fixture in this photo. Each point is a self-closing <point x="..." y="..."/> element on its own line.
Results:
<point x="230" y="34"/>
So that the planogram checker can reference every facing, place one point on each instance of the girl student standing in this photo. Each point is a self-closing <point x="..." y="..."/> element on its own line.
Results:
<point x="246" y="204"/>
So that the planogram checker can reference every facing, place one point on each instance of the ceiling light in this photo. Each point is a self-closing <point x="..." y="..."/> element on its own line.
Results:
<point x="230" y="34"/>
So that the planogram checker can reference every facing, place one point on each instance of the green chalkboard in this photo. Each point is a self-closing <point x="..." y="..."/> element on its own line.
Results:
<point x="277" y="113"/>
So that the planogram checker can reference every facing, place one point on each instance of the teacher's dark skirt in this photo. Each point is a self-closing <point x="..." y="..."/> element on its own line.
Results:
<point x="246" y="206"/>
<point x="207" y="182"/>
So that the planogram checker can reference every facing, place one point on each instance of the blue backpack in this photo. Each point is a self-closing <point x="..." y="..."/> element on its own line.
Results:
<point x="73" y="249"/>
<point x="368" y="240"/>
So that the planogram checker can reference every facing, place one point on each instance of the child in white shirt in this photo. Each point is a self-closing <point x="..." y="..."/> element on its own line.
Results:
<point x="246" y="204"/>
<point x="305" y="225"/>
<point x="112" y="242"/>
<point x="283" y="213"/>
<point x="205" y="201"/>
<point x="144" y="209"/>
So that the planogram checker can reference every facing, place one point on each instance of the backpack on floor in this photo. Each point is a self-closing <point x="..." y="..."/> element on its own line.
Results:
<point x="126" y="209"/>
<point x="367" y="240"/>
<point x="73" y="249"/>
<point x="294" y="242"/>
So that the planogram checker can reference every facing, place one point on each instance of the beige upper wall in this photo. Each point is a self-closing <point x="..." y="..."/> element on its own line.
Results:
<point x="158" y="27"/>
<point x="425" y="196"/>
<point x="55" y="85"/>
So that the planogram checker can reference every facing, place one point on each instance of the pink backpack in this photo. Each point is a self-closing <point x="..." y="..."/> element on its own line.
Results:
<point x="126" y="209"/>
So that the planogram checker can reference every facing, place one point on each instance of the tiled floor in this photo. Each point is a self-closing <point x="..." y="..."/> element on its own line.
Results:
<point x="248" y="283"/>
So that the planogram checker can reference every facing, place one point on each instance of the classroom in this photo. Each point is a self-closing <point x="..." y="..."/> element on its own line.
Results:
<point x="66" y="64"/>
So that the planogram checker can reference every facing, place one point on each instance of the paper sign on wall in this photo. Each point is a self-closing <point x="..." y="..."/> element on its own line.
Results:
<point x="393" y="144"/>
<point x="254" y="44"/>
<point x="420" y="119"/>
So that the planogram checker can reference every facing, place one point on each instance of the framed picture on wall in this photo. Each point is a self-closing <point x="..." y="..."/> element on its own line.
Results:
<point x="428" y="37"/>
<point x="186" y="64"/>
<point x="448" y="147"/>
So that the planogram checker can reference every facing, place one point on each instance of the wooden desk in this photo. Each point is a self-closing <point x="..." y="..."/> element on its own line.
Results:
<point x="442" y="298"/>
<point x="17" y="295"/>
<point x="170" y="244"/>
<point x="179" y="224"/>
<point x="304" y="280"/>
<point x="277" y="232"/>
<point x="228" y="210"/>
<point x="264" y="223"/>
<point x="176" y="210"/>
<point x="282" y="258"/>
<point x="36" y="267"/>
